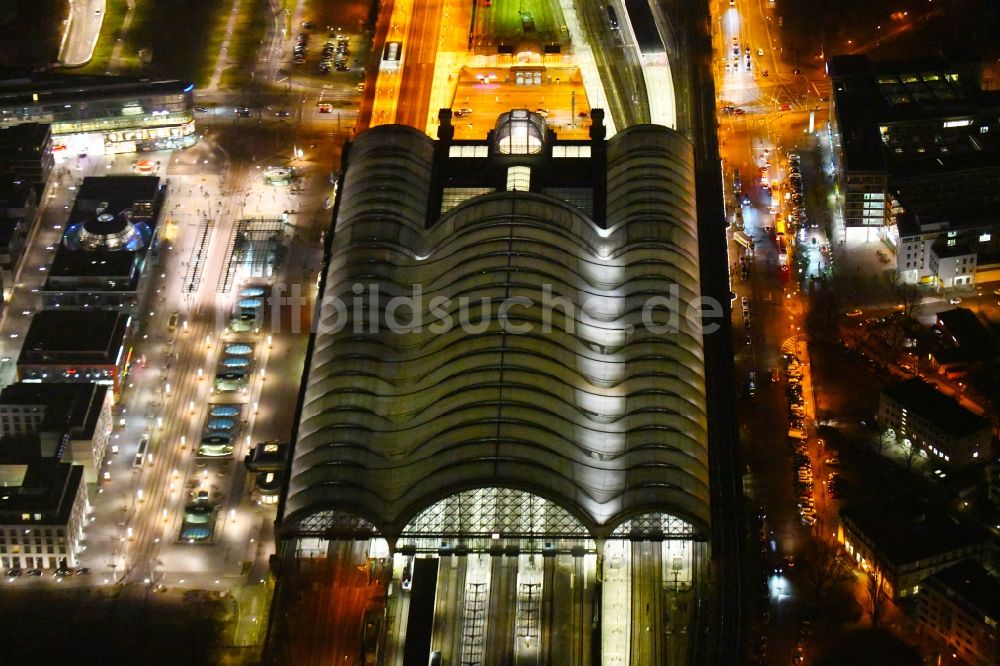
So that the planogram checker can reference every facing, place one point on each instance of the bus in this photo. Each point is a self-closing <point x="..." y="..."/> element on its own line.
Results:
<point x="743" y="240"/>
<point x="140" y="454"/>
<point x="612" y="18"/>
<point x="392" y="52"/>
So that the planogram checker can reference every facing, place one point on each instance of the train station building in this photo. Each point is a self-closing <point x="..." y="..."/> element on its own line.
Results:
<point x="504" y="420"/>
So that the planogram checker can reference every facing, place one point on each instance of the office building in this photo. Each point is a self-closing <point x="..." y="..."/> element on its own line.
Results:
<point x="76" y="346"/>
<point x="26" y="151"/>
<point x="947" y="251"/>
<point x="110" y="238"/>
<point x="43" y="510"/>
<point x="25" y="163"/>
<point x="961" y="606"/>
<point x="947" y="433"/>
<point x="909" y="543"/>
<point x="918" y="150"/>
<point x="101" y="114"/>
<point x="19" y="199"/>
<point x="72" y="422"/>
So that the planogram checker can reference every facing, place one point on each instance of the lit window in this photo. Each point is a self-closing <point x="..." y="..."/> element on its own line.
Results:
<point x="570" y="151"/>
<point x="453" y="196"/>
<point x="520" y="132"/>
<point x="985" y="238"/>
<point x="519" y="179"/>
<point x="476" y="150"/>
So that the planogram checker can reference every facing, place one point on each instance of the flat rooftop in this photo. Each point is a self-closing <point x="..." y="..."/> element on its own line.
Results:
<point x="113" y="194"/>
<point x="906" y="533"/>
<point x="25" y="141"/>
<point x="94" y="264"/>
<point x="561" y="88"/>
<point x="85" y="336"/>
<point x="935" y="407"/>
<point x="19" y="88"/>
<point x="14" y="190"/>
<point x="870" y="94"/>
<point x="48" y="488"/>
<point x="912" y="224"/>
<point x="971" y="586"/>
<point x="67" y="406"/>
<point x="968" y="332"/>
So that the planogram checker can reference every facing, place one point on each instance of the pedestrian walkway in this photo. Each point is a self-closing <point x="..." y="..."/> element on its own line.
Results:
<point x="617" y="603"/>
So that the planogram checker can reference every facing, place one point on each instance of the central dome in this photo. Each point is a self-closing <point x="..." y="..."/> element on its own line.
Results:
<point x="106" y="224"/>
<point x="108" y="232"/>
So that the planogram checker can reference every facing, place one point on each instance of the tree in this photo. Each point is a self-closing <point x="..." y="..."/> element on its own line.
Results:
<point x="909" y="452"/>
<point x="887" y="438"/>
<point x="855" y="333"/>
<point x="909" y="298"/>
<point x="877" y="595"/>
<point x="824" y="308"/>
<point x="822" y="570"/>
<point x="905" y="293"/>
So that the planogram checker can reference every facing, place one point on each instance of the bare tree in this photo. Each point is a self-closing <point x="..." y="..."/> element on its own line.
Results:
<point x="910" y="452"/>
<point x="823" y="571"/>
<point x="906" y="294"/>
<point x="886" y="438"/>
<point x="894" y="337"/>
<point x="909" y="298"/>
<point x="877" y="596"/>
<point x="854" y="333"/>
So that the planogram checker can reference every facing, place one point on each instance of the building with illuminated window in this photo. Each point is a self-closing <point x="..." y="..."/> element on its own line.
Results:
<point x="110" y="237"/>
<point x="961" y="606"/>
<point x="43" y="511"/>
<point x="944" y="431"/>
<point x="507" y="379"/>
<point x="72" y="422"/>
<point x="909" y="543"/>
<point x="948" y="251"/>
<point x="268" y="462"/>
<point x="101" y="114"/>
<point x="918" y="145"/>
<point x="76" y="346"/>
<point x="25" y="163"/>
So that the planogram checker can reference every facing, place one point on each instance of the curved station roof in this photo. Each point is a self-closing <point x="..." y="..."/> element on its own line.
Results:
<point x="548" y="355"/>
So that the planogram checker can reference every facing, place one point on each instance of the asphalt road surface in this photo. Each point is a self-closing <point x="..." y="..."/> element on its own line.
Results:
<point x="82" y="30"/>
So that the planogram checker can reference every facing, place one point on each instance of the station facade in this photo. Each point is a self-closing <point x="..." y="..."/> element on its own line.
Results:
<point x="507" y="366"/>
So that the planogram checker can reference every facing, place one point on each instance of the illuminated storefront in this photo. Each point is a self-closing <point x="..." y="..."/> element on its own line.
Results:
<point x="102" y="114"/>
